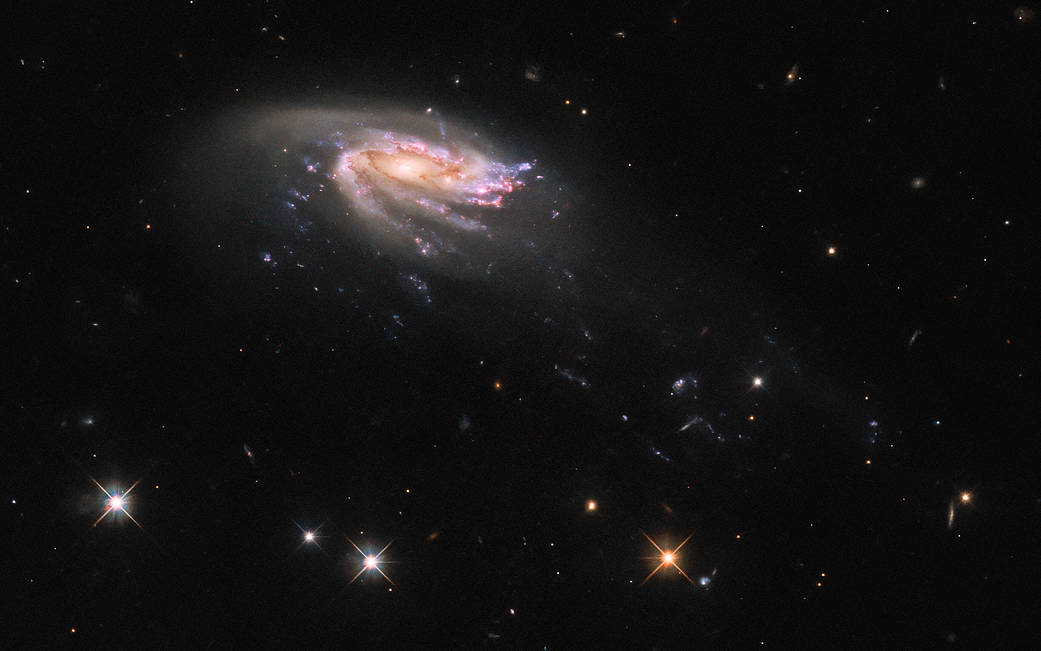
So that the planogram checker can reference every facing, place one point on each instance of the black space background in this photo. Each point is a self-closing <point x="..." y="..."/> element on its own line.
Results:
<point x="96" y="122"/>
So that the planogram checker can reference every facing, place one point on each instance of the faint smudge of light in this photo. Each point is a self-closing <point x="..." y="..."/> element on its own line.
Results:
<point x="792" y="75"/>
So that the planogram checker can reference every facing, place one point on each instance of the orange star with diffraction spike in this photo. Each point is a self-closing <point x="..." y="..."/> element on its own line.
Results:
<point x="666" y="557"/>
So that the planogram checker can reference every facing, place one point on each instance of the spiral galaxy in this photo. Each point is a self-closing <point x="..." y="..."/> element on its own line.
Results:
<point x="410" y="184"/>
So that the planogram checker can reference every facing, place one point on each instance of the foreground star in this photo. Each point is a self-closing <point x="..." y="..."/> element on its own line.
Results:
<point x="309" y="536"/>
<point x="371" y="562"/>
<point x="666" y="557"/>
<point x="116" y="502"/>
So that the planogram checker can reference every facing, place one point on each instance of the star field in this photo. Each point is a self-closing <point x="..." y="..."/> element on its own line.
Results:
<point x="541" y="327"/>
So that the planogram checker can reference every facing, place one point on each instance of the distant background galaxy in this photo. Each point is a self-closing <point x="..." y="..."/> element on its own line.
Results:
<point x="550" y="327"/>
